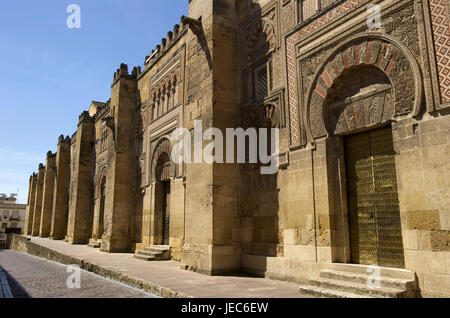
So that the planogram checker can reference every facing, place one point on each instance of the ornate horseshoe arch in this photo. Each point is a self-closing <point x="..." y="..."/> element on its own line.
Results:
<point x="384" y="57"/>
<point x="101" y="175"/>
<point x="262" y="28"/>
<point x="163" y="148"/>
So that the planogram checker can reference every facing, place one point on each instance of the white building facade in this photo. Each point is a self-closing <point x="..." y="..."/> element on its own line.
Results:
<point x="12" y="215"/>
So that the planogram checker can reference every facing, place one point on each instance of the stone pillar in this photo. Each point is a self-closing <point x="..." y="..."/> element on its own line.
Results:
<point x="118" y="205"/>
<point x="212" y="190"/>
<point x="30" y="207"/>
<point x="61" y="193"/>
<point x="47" y="196"/>
<point x="80" y="214"/>
<point x="38" y="201"/>
<point x="147" y="215"/>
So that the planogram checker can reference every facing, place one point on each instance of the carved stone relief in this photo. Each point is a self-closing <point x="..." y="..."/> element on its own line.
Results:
<point x="361" y="53"/>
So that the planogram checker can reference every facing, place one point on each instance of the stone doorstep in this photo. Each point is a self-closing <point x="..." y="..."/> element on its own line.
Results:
<point x="362" y="279"/>
<point x="144" y="257"/>
<point x="326" y="293"/>
<point x="356" y="288"/>
<point x="386" y="272"/>
<point x="154" y="253"/>
<point x="159" y="248"/>
<point x="350" y="281"/>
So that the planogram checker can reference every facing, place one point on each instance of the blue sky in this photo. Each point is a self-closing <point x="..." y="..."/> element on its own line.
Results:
<point x="50" y="73"/>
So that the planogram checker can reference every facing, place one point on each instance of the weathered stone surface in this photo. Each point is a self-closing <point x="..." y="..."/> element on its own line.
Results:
<point x="60" y="209"/>
<point x="255" y="64"/>
<point x="38" y="201"/>
<point x="423" y="220"/>
<point x="30" y="206"/>
<point x="47" y="196"/>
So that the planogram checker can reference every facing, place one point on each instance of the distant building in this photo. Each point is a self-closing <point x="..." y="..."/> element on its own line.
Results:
<point x="12" y="215"/>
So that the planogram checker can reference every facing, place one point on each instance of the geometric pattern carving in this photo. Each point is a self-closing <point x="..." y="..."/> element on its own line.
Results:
<point x="441" y="35"/>
<point x="362" y="99"/>
<point x="384" y="54"/>
<point x="295" y="122"/>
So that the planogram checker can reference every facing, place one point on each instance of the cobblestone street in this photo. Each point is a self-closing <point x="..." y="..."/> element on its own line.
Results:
<point x="32" y="277"/>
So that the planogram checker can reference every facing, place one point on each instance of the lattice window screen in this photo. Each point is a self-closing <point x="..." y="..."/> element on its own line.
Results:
<point x="261" y="84"/>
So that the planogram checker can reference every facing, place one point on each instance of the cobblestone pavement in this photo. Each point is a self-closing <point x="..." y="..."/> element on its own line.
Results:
<point x="167" y="274"/>
<point x="32" y="277"/>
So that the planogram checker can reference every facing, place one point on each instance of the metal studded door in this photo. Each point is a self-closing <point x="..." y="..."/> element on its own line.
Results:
<point x="166" y="213"/>
<point x="374" y="213"/>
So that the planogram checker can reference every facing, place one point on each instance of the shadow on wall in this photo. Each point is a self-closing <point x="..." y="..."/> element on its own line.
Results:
<point x="259" y="206"/>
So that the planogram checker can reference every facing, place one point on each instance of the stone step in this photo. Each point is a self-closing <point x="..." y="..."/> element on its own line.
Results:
<point x="147" y="253"/>
<point x="156" y="255"/>
<point x="387" y="272"/>
<point x="144" y="257"/>
<point x="402" y="284"/>
<point x="94" y="245"/>
<point x="157" y="248"/>
<point x="163" y="252"/>
<point x="328" y="293"/>
<point x="357" y="288"/>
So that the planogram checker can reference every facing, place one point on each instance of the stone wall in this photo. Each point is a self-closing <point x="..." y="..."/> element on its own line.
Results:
<point x="61" y="190"/>
<point x="423" y="178"/>
<point x="47" y="196"/>
<point x="327" y="77"/>
<point x="80" y="216"/>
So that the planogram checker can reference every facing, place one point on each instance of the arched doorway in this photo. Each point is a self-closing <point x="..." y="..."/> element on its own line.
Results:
<point x="162" y="172"/>
<point x="358" y="90"/>
<point x="102" y="208"/>
<point x="358" y="108"/>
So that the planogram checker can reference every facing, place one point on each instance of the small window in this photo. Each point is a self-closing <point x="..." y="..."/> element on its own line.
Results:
<point x="261" y="83"/>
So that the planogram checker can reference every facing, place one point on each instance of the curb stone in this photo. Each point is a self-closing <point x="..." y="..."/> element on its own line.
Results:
<point x="23" y="244"/>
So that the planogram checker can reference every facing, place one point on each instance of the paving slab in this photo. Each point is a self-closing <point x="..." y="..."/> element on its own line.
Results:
<point x="28" y="276"/>
<point x="167" y="275"/>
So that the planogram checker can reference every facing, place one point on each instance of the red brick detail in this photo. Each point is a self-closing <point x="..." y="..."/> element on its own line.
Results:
<point x="357" y="50"/>
<point x="390" y="66"/>
<point x="383" y="50"/>
<point x="368" y="52"/>
<point x="345" y="59"/>
<point x="326" y="78"/>
<point x="321" y="91"/>
<point x="335" y="68"/>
